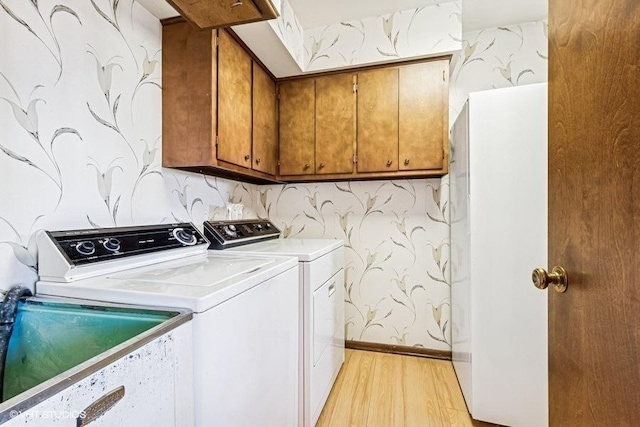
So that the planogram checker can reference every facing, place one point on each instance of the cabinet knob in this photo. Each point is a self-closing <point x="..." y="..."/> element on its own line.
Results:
<point x="246" y="158"/>
<point x="306" y="166"/>
<point x="406" y="162"/>
<point x="389" y="163"/>
<point x="321" y="165"/>
<point x="257" y="161"/>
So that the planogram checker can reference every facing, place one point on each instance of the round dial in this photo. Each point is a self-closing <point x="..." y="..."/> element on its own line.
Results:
<point x="86" y="248"/>
<point x="185" y="236"/>
<point x="230" y="230"/>
<point x="112" y="244"/>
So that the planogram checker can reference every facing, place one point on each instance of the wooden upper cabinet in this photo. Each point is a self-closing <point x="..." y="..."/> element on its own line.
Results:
<point x="297" y="127"/>
<point x="224" y="13"/>
<point x="423" y="115"/>
<point x="265" y="132"/>
<point x="188" y="96"/>
<point x="378" y="120"/>
<point x="234" y="102"/>
<point x="335" y="123"/>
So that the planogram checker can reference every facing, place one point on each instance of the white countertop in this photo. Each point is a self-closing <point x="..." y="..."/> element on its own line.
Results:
<point x="306" y="250"/>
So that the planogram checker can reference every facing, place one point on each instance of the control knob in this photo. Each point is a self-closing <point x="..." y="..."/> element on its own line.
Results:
<point x="184" y="236"/>
<point x="86" y="248"/>
<point x="112" y="244"/>
<point x="230" y="230"/>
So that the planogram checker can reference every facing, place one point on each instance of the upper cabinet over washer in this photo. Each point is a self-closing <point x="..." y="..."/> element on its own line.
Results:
<point x="223" y="13"/>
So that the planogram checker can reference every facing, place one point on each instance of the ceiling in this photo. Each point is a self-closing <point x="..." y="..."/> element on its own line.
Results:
<point x="476" y="15"/>
<point x="481" y="14"/>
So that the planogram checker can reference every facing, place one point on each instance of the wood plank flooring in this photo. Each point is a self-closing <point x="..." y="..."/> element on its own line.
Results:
<point x="388" y="390"/>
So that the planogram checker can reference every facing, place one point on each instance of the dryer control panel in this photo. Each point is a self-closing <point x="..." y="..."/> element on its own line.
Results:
<point x="232" y="233"/>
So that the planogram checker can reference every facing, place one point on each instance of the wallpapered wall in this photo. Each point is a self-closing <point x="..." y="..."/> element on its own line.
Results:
<point x="396" y="236"/>
<point x="80" y="127"/>
<point x="80" y="142"/>
<point x="397" y="232"/>
<point x="498" y="57"/>
<point x="424" y="31"/>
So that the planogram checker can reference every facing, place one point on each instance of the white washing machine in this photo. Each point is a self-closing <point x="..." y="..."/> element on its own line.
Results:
<point x="321" y="304"/>
<point x="245" y="310"/>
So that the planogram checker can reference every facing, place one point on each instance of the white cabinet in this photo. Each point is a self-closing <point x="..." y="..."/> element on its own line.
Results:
<point x="149" y="387"/>
<point x="499" y="235"/>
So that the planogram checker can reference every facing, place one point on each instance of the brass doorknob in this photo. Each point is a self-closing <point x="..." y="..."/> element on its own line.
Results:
<point x="558" y="278"/>
<point x="246" y="158"/>
<point x="406" y="162"/>
<point x="389" y="163"/>
<point x="321" y="165"/>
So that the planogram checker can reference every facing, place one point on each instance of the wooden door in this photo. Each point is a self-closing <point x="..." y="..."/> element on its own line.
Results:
<point x="423" y="115"/>
<point x="335" y="123"/>
<point x="594" y="212"/>
<point x="265" y="138"/>
<point x="297" y="100"/>
<point x="378" y="120"/>
<point x="234" y="102"/>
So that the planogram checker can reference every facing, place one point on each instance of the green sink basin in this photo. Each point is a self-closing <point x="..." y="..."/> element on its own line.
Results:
<point x="50" y="338"/>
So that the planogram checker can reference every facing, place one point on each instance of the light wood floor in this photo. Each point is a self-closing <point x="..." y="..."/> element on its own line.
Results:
<point x="388" y="390"/>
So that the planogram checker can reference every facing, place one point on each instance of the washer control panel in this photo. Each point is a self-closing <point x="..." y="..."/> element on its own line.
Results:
<point x="229" y="234"/>
<point x="95" y="245"/>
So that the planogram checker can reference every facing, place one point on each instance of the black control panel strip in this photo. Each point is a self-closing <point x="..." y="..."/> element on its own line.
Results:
<point x="229" y="234"/>
<point x="96" y="245"/>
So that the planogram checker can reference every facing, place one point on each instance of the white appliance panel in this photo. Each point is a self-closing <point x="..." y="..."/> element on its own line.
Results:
<point x="497" y="312"/>
<point x="254" y="336"/>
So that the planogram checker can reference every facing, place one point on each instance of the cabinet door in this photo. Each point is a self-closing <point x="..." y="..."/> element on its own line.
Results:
<point x="335" y="123"/>
<point x="234" y="102"/>
<point x="423" y="115"/>
<point x="297" y="127"/>
<point x="265" y="141"/>
<point x="378" y="120"/>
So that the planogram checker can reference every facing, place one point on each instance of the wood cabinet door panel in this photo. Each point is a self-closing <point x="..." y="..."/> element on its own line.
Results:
<point x="335" y="123"/>
<point x="234" y="102"/>
<point x="223" y="13"/>
<point x="265" y="138"/>
<point x="297" y="127"/>
<point x="423" y="115"/>
<point x="188" y="96"/>
<point x="378" y="120"/>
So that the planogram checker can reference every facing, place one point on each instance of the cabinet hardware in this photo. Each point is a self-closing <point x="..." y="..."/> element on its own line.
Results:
<point x="257" y="161"/>
<point x="355" y="159"/>
<point x="406" y="162"/>
<point x="247" y="157"/>
<point x="355" y="88"/>
<point x="321" y="165"/>
<point x="306" y="166"/>
<point x="332" y="289"/>
<point x="238" y="3"/>
<point x="389" y="163"/>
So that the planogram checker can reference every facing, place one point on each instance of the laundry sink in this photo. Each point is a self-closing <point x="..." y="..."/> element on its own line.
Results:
<point x="56" y="343"/>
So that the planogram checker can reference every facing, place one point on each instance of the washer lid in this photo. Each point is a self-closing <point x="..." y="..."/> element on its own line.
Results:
<point x="305" y="250"/>
<point x="208" y="272"/>
<point x="197" y="282"/>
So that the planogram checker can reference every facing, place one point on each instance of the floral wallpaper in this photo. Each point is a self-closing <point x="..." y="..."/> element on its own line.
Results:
<point x="424" y="31"/>
<point x="80" y="128"/>
<point x="498" y="57"/>
<point x="396" y="236"/>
